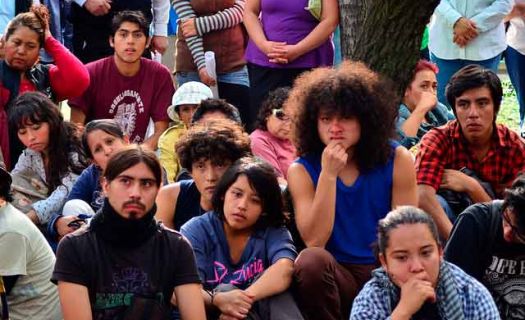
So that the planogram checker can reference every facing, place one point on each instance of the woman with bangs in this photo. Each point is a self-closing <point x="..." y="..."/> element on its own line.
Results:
<point x="349" y="175"/>
<point x="244" y="252"/>
<point x="53" y="151"/>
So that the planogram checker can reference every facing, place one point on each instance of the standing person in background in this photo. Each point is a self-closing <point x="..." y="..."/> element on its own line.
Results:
<point x="127" y="87"/>
<point x="21" y="71"/>
<point x="214" y="25"/>
<point x="285" y="40"/>
<point x="515" y="56"/>
<point x="26" y="262"/>
<point x="467" y="32"/>
<point x="124" y="265"/>
<point x="91" y="21"/>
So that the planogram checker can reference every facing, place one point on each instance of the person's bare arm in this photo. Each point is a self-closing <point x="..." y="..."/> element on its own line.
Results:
<point x="74" y="299"/>
<point x="166" y="203"/>
<point x="253" y="25"/>
<point x="457" y="181"/>
<point x="417" y="116"/>
<point x="404" y="186"/>
<point x="159" y="128"/>
<point x="190" y="302"/>
<point x="315" y="207"/>
<point x="77" y="116"/>
<point x="276" y="279"/>
<point x="323" y="30"/>
<point x="430" y="204"/>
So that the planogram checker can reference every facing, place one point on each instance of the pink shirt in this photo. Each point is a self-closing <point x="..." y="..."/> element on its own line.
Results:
<point x="277" y="152"/>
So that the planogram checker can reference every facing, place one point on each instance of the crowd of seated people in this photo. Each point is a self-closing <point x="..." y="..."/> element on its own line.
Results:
<point x="138" y="209"/>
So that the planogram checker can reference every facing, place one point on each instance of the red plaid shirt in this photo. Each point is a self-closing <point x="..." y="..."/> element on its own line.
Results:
<point x="446" y="148"/>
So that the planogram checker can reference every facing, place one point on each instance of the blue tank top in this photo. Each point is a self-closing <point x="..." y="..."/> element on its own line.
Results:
<point x="188" y="203"/>
<point x="358" y="208"/>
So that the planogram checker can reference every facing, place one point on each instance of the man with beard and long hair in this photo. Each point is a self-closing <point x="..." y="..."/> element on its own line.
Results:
<point x="125" y="264"/>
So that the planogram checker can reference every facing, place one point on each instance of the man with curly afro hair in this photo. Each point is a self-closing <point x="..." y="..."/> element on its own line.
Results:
<point x="349" y="175"/>
<point x="206" y="151"/>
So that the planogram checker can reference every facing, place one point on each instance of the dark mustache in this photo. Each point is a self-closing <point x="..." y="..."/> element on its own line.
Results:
<point x="136" y="202"/>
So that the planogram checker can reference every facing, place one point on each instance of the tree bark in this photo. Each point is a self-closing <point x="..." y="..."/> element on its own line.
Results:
<point x="385" y="34"/>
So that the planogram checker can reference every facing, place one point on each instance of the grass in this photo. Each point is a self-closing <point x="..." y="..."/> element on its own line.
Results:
<point x="509" y="110"/>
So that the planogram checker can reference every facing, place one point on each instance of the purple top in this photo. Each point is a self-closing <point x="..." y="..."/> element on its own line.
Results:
<point x="289" y="21"/>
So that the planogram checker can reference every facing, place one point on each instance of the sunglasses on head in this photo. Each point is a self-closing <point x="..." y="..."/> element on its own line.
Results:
<point x="279" y="114"/>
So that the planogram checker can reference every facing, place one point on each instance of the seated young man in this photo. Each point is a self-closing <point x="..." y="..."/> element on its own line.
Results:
<point x="206" y="151"/>
<point x="216" y="109"/>
<point x="349" y="175"/>
<point x="474" y="141"/>
<point x="125" y="86"/>
<point x="26" y="262"/>
<point x="125" y="265"/>
<point x="488" y="242"/>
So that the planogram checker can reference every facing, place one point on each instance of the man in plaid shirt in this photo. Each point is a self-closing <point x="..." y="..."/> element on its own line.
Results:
<point x="474" y="141"/>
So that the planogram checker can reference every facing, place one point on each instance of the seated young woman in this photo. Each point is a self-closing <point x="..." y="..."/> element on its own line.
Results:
<point x="349" y="175"/>
<point x="100" y="140"/>
<point x="271" y="138"/>
<point x="53" y="151"/>
<point x="414" y="282"/>
<point x="20" y="71"/>
<point x="244" y="253"/>
<point x="206" y="151"/>
<point x="420" y="110"/>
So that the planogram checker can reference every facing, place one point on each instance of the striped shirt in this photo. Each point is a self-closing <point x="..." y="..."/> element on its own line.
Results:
<point x="205" y="24"/>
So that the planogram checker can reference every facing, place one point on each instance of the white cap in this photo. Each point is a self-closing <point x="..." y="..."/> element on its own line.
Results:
<point x="191" y="92"/>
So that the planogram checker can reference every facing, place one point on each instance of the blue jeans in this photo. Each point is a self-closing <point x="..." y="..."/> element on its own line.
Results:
<point x="515" y="62"/>
<point x="239" y="77"/>
<point x="447" y="68"/>
<point x="452" y="216"/>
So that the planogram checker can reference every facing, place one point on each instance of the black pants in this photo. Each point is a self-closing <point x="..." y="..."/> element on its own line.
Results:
<point x="265" y="79"/>
<point x="239" y="96"/>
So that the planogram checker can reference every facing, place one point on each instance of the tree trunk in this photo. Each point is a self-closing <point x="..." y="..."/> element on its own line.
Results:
<point x="385" y="34"/>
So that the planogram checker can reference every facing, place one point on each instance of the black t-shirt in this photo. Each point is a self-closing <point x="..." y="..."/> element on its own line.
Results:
<point x="477" y="246"/>
<point x="118" y="277"/>
<point x="188" y="203"/>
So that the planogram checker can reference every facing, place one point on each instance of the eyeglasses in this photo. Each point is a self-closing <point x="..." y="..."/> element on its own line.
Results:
<point x="515" y="231"/>
<point x="279" y="114"/>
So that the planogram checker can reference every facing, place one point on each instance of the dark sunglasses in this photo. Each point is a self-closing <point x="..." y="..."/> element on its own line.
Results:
<point x="279" y="114"/>
<point x="515" y="231"/>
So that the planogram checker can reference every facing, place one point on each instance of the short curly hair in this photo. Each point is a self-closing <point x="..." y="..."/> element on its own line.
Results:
<point x="352" y="90"/>
<point x="218" y="141"/>
<point x="275" y="100"/>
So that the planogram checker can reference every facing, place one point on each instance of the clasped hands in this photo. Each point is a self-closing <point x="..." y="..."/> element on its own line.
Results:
<point x="280" y="52"/>
<point x="465" y="30"/>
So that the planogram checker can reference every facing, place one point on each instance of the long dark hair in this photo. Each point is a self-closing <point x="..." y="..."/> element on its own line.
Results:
<point x="35" y="107"/>
<point x="263" y="180"/>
